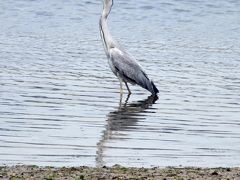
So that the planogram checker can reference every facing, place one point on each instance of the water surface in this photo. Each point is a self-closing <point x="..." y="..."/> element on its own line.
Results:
<point x="60" y="103"/>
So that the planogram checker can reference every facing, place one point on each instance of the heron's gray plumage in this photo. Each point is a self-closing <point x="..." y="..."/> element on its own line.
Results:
<point x="123" y="65"/>
<point x="127" y="68"/>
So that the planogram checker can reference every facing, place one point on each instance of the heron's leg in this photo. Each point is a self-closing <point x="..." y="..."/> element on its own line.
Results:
<point x="121" y="87"/>
<point x="126" y="101"/>
<point x="120" y="102"/>
<point x="129" y="92"/>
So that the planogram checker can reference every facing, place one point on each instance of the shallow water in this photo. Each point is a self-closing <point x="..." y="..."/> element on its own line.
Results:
<point x="60" y="103"/>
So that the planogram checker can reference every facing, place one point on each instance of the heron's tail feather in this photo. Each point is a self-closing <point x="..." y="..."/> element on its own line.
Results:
<point x="147" y="84"/>
<point x="155" y="89"/>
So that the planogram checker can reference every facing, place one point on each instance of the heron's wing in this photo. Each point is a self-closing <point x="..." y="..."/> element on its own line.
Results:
<point x="129" y="69"/>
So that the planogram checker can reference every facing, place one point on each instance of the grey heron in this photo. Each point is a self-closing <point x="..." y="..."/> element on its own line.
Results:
<point x="123" y="65"/>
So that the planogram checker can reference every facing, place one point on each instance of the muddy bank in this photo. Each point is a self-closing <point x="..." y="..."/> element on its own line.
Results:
<point x="116" y="172"/>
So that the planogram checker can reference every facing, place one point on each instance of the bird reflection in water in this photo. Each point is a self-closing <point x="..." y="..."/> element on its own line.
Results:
<point x="124" y="118"/>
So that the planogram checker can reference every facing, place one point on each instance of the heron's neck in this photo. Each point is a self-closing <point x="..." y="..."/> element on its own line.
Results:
<point x="105" y="34"/>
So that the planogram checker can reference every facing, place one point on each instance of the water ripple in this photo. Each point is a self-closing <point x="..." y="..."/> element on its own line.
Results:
<point x="60" y="103"/>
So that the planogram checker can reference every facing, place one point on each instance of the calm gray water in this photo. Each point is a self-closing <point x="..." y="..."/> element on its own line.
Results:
<point x="59" y="101"/>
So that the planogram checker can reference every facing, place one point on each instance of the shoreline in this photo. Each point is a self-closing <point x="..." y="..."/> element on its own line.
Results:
<point x="116" y="172"/>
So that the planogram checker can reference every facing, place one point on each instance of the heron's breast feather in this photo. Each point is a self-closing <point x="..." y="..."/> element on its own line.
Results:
<point x="116" y="50"/>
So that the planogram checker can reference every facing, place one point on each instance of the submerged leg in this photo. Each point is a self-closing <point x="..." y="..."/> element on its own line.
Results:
<point x="126" y="101"/>
<point x="129" y="92"/>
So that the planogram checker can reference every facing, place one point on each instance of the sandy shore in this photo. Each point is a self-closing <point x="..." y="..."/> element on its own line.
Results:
<point x="116" y="172"/>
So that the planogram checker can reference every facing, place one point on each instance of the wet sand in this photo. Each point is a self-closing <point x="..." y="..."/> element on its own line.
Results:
<point x="116" y="172"/>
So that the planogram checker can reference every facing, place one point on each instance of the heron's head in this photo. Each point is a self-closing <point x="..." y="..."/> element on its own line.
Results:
<point x="108" y="3"/>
